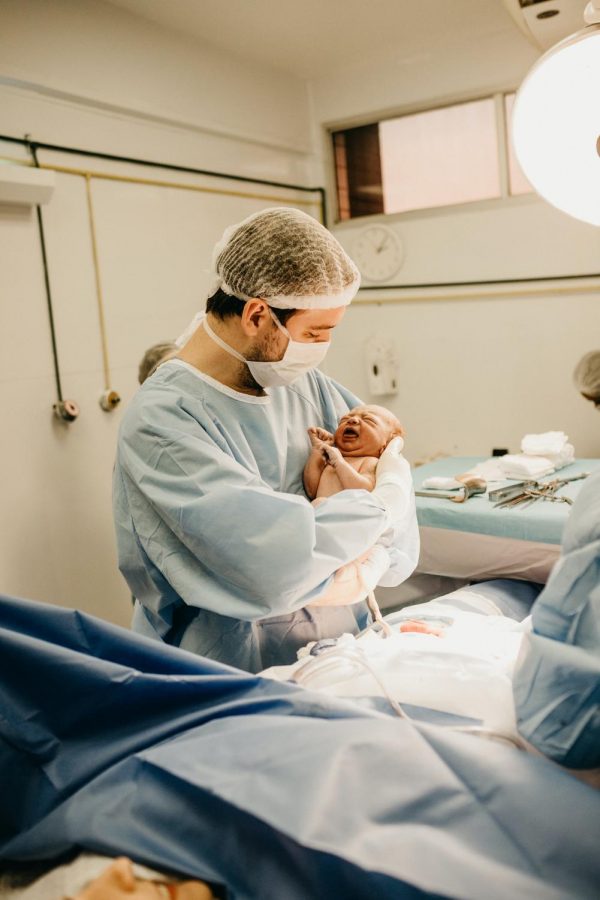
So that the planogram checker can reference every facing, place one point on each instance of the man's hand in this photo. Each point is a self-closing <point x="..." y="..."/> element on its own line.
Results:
<point x="319" y="436"/>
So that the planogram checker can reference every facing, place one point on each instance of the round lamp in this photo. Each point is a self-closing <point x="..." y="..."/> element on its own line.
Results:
<point x="556" y="125"/>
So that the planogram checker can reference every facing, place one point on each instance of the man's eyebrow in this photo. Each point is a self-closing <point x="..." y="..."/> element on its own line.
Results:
<point x="319" y="327"/>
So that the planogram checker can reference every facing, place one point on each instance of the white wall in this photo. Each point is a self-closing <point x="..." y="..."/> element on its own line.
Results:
<point x="473" y="374"/>
<point x="87" y="75"/>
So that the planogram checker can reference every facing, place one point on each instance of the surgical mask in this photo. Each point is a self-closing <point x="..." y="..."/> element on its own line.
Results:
<point x="297" y="359"/>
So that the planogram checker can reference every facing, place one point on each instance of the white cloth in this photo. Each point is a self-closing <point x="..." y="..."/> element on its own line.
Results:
<point x="550" y="443"/>
<point x="489" y="470"/>
<point x="563" y="458"/>
<point x="439" y="483"/>
<point x="524" y="465"/>
<point x="531" y="463"/>
<point x="519" y="465"/>
<point x="465" y="669"/>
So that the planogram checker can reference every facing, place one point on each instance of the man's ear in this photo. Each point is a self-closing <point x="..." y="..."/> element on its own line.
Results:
<point x="255" y="317"/>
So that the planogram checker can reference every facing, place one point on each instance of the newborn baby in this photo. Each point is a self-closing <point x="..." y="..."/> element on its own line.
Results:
<point x="348" y="458"/>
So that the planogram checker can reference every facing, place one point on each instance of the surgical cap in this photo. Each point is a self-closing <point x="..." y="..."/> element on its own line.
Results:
<point x="287" y="258"/>
<point x="587" y="374"/>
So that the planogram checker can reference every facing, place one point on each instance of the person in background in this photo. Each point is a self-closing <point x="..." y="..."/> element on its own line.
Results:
<point x="557" y="677"/>
<point x="216" y="539"/>
<point x="587" y="377"/>
<point x="153" y="357"/>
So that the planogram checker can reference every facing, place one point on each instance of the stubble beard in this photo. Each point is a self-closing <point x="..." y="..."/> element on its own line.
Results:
<point x="266" y="351"/>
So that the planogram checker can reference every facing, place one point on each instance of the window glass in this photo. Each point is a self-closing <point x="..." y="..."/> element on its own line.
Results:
<point x="518" y="184"/>
<point x="358" y="171"/>
<point x="440" y="157"/>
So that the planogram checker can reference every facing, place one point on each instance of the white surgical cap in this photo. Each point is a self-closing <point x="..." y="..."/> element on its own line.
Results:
<point x="587" y="374"/>
<point x="287" y="258"/>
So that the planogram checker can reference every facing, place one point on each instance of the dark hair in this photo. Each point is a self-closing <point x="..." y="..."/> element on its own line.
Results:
<point x="223" y="306"/>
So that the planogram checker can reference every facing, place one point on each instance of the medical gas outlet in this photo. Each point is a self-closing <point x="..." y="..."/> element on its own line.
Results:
<point x="109" y="400"/>
<point x="66" y="410"/>
<point x="382" y="366"/>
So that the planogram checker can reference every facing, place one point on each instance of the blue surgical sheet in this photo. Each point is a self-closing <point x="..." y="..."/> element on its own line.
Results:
<point x="114" y="743"/>
<point x="541" y="521"/>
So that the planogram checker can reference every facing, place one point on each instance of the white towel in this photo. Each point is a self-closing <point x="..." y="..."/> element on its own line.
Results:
<point x="548" y="444"/>
<point x="439" y="483"/>
<point x="564" y="458"/>
<point x="489" y="470"/>
<point x="520" y="465"/>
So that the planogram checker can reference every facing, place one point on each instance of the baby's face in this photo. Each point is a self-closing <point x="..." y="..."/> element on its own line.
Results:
<point x="366" y="431"/>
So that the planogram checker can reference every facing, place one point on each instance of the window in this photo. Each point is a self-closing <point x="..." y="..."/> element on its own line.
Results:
<point x="358" y="171"/>
<point x="440" y="157"/>
<point x="518" y="184"/>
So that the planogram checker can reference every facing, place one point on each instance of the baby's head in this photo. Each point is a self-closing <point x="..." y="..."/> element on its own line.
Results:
<point x="366" y="431"/>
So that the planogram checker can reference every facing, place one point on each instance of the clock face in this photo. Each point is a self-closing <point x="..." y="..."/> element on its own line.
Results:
<point x="378" y="253"/>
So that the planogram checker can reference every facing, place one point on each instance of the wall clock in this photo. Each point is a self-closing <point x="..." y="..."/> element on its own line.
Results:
<point x="378" y="253"/>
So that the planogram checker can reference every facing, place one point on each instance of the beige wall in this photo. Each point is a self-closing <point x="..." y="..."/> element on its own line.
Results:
<point x="91" y="76"/>
<point x="473" y="373"/>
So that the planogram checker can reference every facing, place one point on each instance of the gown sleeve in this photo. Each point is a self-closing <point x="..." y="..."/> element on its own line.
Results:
<point x="557" y="678"/>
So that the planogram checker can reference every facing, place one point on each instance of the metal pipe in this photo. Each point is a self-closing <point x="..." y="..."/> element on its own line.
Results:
<point x="491" y="281"/>
<point x="47" y="283"/>
<point x="39" y="145"/>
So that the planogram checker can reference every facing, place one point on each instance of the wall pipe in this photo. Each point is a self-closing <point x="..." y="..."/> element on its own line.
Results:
<point x="491" y="281"/>
<point x="67" y="410"/>
<point x="40" y="145"/>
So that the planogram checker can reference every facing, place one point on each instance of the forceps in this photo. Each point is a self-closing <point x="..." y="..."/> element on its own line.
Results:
<point x="526" y="492"/>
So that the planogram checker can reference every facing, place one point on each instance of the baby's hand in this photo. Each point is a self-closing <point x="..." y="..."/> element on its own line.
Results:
<point x="318" y="437"/>
<point x="332" y="455"/>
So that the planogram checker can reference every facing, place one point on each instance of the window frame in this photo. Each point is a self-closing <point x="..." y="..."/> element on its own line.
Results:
<point x="505" y="197"/>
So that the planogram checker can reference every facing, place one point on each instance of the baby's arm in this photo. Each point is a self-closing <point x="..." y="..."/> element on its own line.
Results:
<point x="316" y="461"/>
<point x="349" y="477"/>
<point x="313" y="471"/>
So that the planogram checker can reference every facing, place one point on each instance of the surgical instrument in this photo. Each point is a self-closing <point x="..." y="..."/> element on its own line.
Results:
<point x="472" y="486"/>
<point x="528" y="492"/>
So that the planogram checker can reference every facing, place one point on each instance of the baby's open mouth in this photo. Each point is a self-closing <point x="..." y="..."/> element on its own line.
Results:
<point x="350" y="431"/>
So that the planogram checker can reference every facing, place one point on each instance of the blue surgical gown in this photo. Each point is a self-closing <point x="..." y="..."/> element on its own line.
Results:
<point x="215" y="535"/>
<point x="557" y="679"/>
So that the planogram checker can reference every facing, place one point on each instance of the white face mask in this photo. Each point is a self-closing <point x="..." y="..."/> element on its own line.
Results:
<point x="297" y="359"/>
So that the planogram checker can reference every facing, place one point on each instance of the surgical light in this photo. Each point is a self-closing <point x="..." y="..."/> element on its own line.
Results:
<point x="556" y="122"/>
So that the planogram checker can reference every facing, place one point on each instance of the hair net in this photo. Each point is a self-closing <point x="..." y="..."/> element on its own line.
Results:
<point x="587" y="374"/>
<point x="287" y="258"/>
